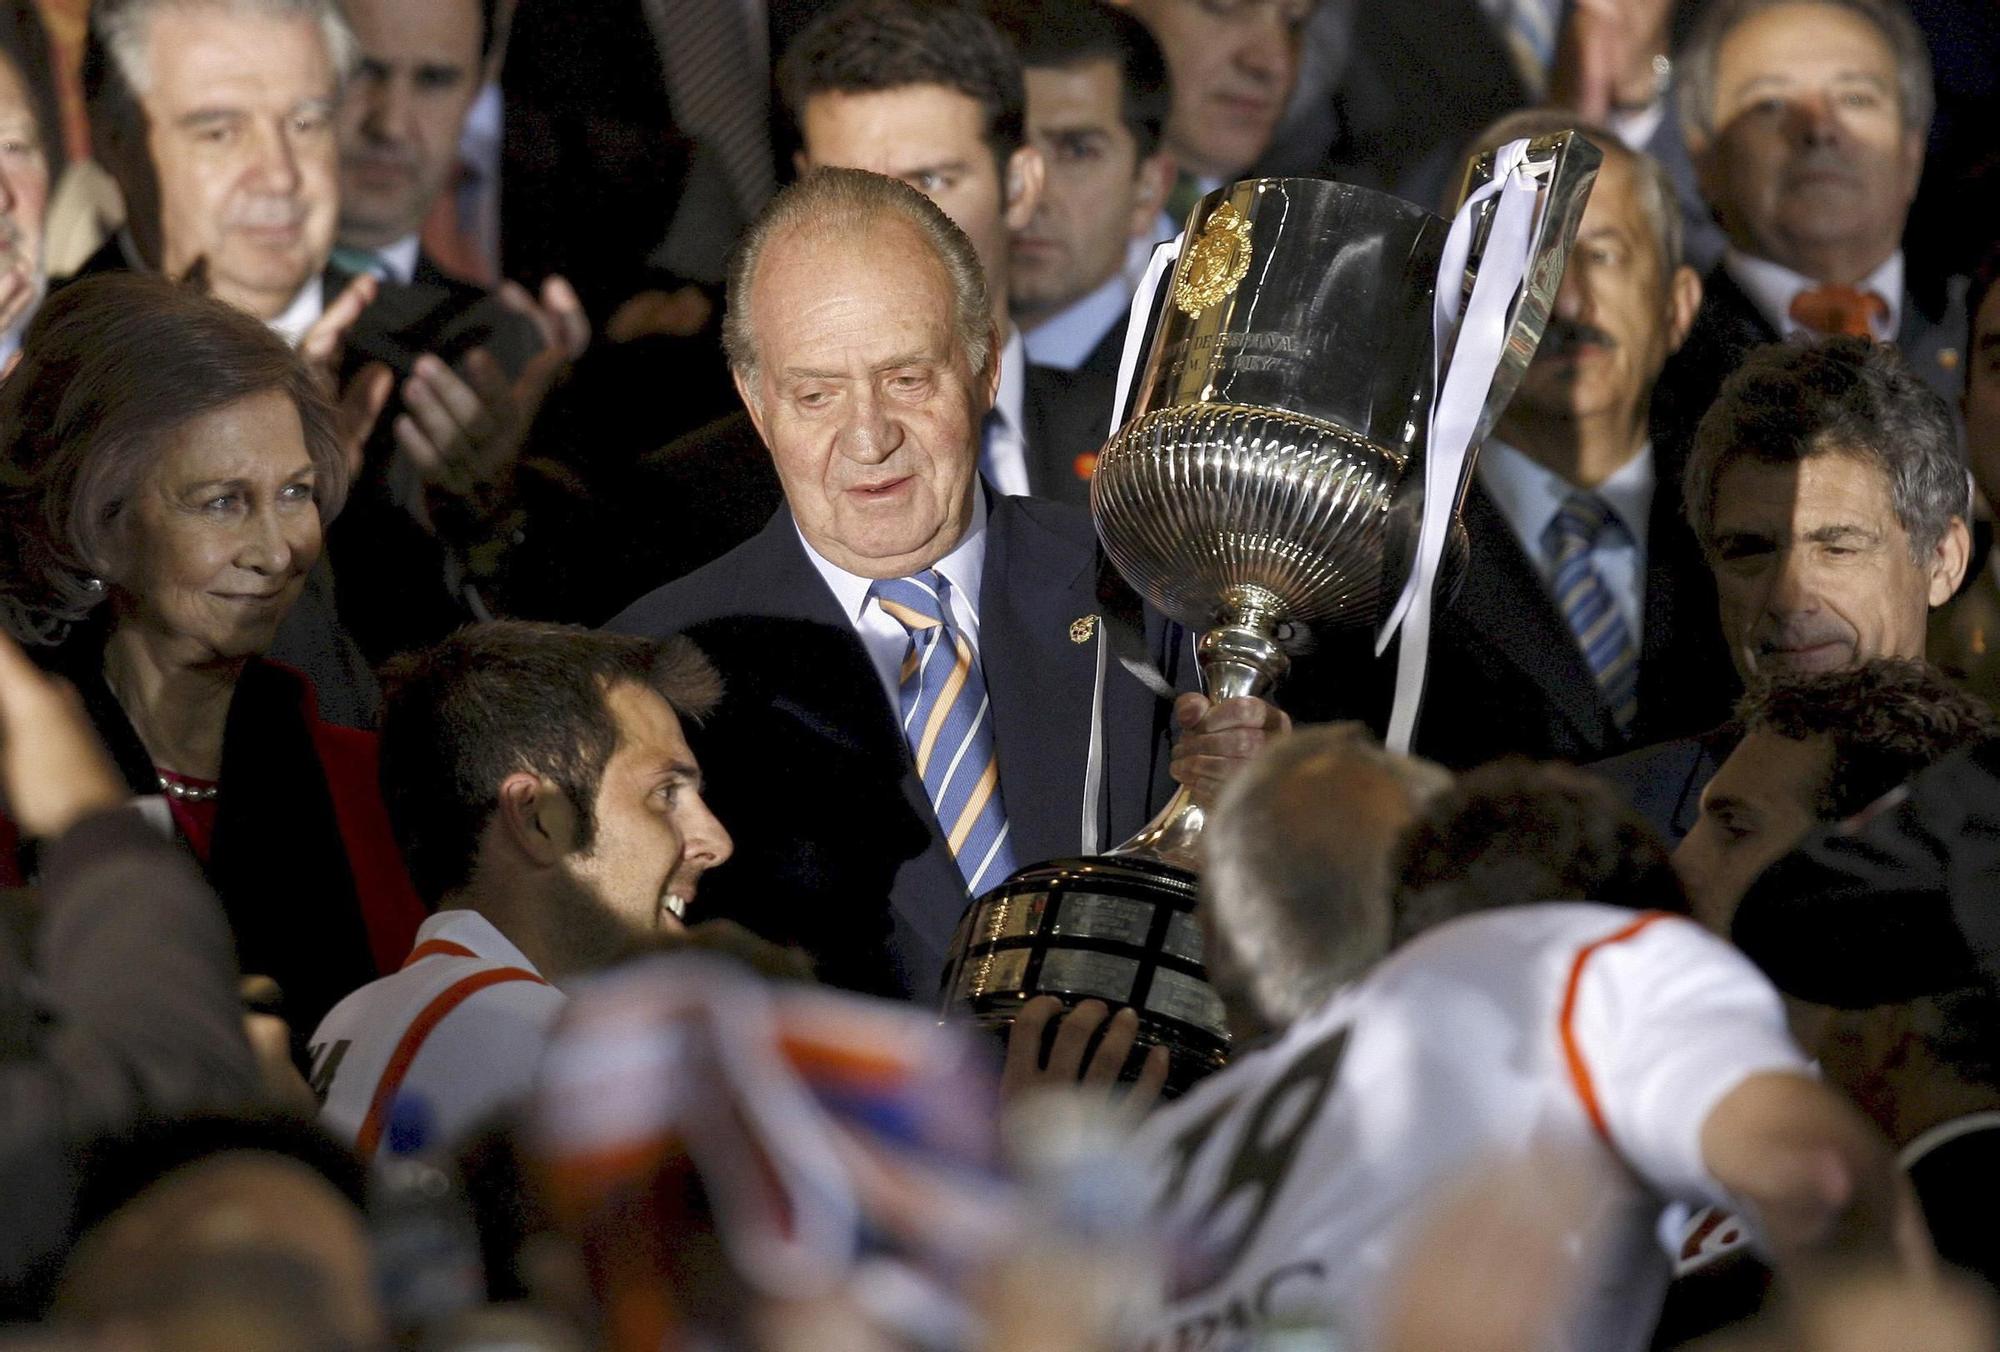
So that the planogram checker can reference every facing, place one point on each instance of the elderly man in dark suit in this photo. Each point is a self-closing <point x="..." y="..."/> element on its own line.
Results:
<point x="1806" y="121"/>
<point x="219" y="122"/>
<point x="1586" y="622"/>
<point x="919" y="679"/>
<point x="1830" y="497"/>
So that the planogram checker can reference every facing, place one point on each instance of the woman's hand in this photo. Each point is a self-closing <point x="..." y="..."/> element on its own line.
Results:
<point x="53" y="769"/>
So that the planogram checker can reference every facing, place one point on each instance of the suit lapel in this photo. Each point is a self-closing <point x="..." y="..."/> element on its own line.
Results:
<point x="1037" y="583"/>
<point x="774" y="577"/>
<point x="849" y="712"/>
<point x="1506" y="606"/>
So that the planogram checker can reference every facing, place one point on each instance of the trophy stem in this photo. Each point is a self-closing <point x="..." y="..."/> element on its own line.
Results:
<point x="1238" y="657"/>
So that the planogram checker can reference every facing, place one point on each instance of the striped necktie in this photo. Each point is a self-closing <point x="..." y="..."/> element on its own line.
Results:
<point x="948" y="723"/>
<point x="1587" y="604"/>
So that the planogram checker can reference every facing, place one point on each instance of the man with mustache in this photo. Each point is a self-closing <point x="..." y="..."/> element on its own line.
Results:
<point x="1830" y="496"/>
<point x="539" y="782"/>
<point x="1806" y="122"/>
<point x="1585" y="625"/>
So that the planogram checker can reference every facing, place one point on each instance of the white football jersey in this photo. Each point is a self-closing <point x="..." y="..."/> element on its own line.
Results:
<point x="1572" y="1026"/>
<point x="461" y="1025"/>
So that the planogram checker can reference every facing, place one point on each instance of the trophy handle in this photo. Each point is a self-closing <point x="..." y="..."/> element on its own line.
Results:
<point x="1565" y="166"/>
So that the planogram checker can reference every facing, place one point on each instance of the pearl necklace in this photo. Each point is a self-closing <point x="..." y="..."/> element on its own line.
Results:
<point x="187" y="793"/>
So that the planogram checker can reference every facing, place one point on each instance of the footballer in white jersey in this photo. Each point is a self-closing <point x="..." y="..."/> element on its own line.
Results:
<point x="1578" y="1027"/>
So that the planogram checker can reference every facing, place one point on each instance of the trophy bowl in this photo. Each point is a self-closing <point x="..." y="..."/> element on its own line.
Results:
<point x="1268" y="483"/>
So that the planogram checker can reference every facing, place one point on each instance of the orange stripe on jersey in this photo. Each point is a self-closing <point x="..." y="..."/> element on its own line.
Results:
<point x="412" y="1042"/>
<point x="435" y="948"/>
<point x="1579" y="1071"/>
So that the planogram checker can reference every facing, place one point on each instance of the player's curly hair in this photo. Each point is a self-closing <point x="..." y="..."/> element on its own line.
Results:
<point x="1887" y="719"/>
<point x="1518" y="831"/>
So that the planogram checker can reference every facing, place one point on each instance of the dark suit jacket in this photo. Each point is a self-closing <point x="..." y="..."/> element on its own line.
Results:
<point x="1663" y="782"/>
<point x="1075" y="414"/>
<point x="837" y="849"/>
<point x="1419" y="80"/>
<point x="1729" y="325"/>
<point x="1506" y="676"/>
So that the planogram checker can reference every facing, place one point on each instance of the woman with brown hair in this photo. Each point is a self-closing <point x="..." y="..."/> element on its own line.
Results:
<point x="167" y="470"/>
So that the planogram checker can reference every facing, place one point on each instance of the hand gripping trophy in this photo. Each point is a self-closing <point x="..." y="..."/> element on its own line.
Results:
<point x="1324" y="365"/>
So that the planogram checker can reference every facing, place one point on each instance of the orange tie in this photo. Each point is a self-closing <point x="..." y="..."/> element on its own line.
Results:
<point x="1839" y="310"/>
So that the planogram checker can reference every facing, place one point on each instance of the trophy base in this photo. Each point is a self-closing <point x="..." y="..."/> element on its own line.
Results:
<point x="1120" y="929"/>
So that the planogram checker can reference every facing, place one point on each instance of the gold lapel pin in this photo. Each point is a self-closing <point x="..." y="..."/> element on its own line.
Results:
<point x="1081" y="628"/>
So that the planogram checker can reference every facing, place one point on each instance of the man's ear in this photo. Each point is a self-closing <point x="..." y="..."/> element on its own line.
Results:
<point x="753" y="402"/>
<point x="120" y="145"/>
<point x="1683" y="304"/>
<point x="1155" y="181"/>
<point x="1948" y="561"/>
<point x="992" y="372"/>
<point x="1023" y="187"/>
<point x="537" y="819"/>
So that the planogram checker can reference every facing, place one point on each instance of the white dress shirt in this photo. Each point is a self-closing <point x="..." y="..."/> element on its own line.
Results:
<point x="1772" y="288"/>
<point x="884" y="636"/>
<point x="1004" y="440"/>
<point x="1066" y="338"/>
<point x="400" y="258"/>
<point x="303" y="312"/>
<point x="1529" y="496"/>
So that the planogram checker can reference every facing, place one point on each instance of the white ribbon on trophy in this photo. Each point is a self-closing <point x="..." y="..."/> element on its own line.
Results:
<point x="1461" y="396"/>
<point x="1143" y="298"/>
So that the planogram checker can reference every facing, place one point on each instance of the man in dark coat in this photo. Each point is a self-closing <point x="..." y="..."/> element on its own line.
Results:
<point x="924" y="688"/>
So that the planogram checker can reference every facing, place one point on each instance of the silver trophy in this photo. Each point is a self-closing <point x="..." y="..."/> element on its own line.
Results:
<point x="1268" y="483"/>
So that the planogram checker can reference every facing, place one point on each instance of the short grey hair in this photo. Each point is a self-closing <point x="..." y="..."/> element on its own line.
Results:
<point x="116" y="73"/>
<point x="1299" y="876"/>
<point x="1838" y="396"/>
<point x="1694" y="67"/>
<point x="845" y="203"/>
<point x="1658" y="198"/>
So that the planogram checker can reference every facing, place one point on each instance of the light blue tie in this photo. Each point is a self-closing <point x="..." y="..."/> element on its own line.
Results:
<point x="948" y="723"/>
<point x="357" y="262"/>
<point x="1587" y="604"/>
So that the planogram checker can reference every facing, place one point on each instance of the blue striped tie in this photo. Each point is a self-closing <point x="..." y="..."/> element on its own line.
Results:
<point x="949" y="725"/>
<point x="1587" y="604"/>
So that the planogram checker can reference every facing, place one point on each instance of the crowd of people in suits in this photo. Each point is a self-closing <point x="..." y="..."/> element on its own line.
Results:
<point x="545" y="559"/>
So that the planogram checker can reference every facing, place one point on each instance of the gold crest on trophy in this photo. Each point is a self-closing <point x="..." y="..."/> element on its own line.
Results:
<point x="1218" y="259"/>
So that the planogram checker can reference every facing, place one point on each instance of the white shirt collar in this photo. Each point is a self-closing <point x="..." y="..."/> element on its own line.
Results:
<point x="1013" y="391"/>
<point x="400" y="258"/>
<point x="1003" y="449"/>
<point x="963" y="568"/>
<point x="1529" y="495"/>
<point x="1066" y="338"/>
<point x="302" y="313"/>
<point x="1772" y="288"/>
